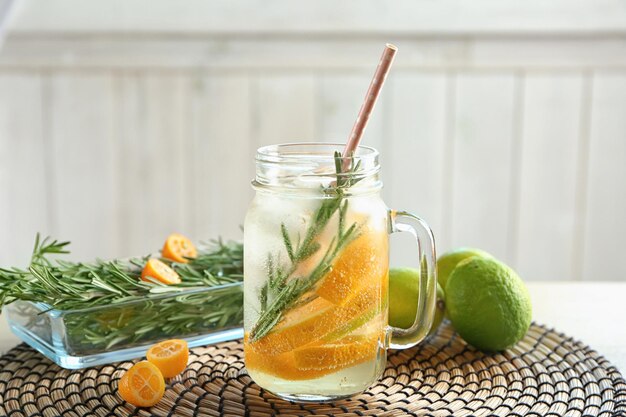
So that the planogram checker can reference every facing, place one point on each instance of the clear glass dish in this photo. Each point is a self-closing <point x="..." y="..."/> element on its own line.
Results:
<point x="76" y="339"/>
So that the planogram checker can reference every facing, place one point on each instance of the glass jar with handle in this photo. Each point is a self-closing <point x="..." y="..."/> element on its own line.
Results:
<point x="316" y="261"/>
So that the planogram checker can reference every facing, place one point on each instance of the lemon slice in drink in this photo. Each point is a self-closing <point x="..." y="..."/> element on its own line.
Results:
<point x="313" y="321"/>
<point x="356" y="284"/>
<point x="362" y="263"/>
<point x="315" y="360"/>
<point x="331" y="357"/>
<point x="374" y="316"/>
<point x="282" y="365"/>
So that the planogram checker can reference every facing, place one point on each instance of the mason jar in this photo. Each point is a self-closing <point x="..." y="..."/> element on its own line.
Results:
<point x="316" y="262"/>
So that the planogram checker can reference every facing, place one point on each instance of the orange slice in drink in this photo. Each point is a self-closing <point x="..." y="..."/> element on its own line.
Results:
<point x="170" y="357"/>
<point x="142" y="385"/>
<point x="281" y="366"/>
<point x="370" y="321"/>
<point x="315" y="360"/>
<point x="355" y="285"/>
<point x="314" y="320"/>
<point x="363" y="263"/>
<point x="341" y="354"/>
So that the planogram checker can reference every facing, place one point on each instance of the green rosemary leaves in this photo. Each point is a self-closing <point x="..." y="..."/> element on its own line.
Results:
<point x="133" y="310"/>
<point x="71" y="285"/>
<point x="283" y="290"/>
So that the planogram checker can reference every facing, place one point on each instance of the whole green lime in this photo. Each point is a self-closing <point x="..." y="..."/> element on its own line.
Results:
<point x="449" y="260"/>
<point x="403" y="294"/>
<point x="488" y="304"/>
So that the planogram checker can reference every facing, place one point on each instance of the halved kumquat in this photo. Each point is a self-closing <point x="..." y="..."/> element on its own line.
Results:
<point x="178" y="248"/>
<point x="170" y="357"/>
<point x="158" y="270"/>
<point x="142" y="385"/>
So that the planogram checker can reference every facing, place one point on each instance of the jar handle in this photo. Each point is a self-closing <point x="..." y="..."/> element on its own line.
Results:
<point x="402" y="221"/>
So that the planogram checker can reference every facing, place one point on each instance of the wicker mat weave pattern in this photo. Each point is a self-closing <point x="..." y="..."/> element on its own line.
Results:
<point x="546" y="374"/>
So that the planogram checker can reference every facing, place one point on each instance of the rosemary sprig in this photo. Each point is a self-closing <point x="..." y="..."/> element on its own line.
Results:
<point x="286" y="290"/>
<point x="71" y="285"/>
<point x="137" y="311"/>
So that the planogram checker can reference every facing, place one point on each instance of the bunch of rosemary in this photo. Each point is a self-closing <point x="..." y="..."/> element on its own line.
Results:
<point x="137" y="310"/>
<point x="283" y="291"/>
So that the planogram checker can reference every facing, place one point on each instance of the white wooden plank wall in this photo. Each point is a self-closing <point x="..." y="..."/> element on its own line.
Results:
<point x="548" y="217"/>
<point x="83" y="158"/>
<point x="26" y="204"/>
<point x="604" y="206"/>
<point x="480" y="160"/>
<point x="415" y="130"/>
<point x="154" y="148"/>
<point x="223" y="148"/>
<point x="283" y="108"/>
<point x="521" y="154"/>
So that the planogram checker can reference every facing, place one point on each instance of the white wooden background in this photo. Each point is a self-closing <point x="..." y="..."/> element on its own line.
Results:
<point x="503" y="125"/>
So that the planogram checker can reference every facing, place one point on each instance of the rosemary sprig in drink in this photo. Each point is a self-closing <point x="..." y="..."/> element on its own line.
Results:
<point x="283" y="291"/>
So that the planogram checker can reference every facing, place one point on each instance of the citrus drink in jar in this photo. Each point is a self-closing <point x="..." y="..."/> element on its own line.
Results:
<point x="316" y="266"/>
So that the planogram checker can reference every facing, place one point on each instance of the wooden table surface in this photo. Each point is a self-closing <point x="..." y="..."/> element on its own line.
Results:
<point x="589" y="311"/>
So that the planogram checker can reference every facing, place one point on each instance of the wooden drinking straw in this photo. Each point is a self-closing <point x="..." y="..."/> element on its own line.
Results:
<point x="368" y="105"/>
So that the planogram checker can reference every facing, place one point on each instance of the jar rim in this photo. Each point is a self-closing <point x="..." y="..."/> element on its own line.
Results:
<point x="294" y="152"/>
<point x="312" y="166"/>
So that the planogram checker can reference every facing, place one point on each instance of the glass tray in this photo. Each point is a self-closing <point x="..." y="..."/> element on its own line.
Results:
<point x="76" y="339"/>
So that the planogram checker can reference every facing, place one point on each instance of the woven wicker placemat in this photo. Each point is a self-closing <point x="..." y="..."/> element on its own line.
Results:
<point x="546" y="374"/>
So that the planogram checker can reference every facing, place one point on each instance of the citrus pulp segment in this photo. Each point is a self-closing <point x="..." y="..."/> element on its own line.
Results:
<point x="159" y="271"/>
<point x="170" y="357"/>
<point x="142" y="385"/>
<point x="178" y="248"/>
